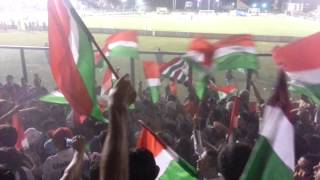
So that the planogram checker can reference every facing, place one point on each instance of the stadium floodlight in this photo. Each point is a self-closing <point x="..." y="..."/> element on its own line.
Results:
<point x="123" y="1"/>
<point x="264" y="5"/>
<point x="254" y="5"/>
<point x="217" y="1"/>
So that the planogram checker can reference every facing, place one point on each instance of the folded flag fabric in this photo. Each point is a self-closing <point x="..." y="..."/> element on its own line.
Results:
<point x="273" y="154"/>
<point x="176" y="70"/>
<point x="54" y="97"/>
<point x="71" y="58"/>
<point x="107" y="82"/>
<point x="152" y="75"/>
<point x="171" y="166"/>
<point x="301" y="61"/>
<point x="226" y="91"/>
<point x="122" y="44"/>
<point x="235" y="52"/>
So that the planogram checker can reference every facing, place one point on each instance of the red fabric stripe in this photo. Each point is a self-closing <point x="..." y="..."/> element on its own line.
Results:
<point x="149" y="141"/>
<point x="301" y="55"/>
<point x="164" y="66"/>
<point x="227" y="89"/>
<point x="173" y="88"/>
<point x="16" y="123"/>
<point x="151" y="69"/>
<point x="63" y="67"/>
<point x="123" y="36"/>
<point x="237" y="40"/>
<point x="202" y="45"/>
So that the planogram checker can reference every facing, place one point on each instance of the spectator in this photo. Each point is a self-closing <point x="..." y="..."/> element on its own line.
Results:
<point x="11" y="89"/>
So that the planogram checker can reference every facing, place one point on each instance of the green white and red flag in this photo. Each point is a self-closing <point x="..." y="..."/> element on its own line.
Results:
<point x="71" y="58"/>
<point x="176" y="70"/>
<point x="170" y="164"/>
<point x="226" y="91"/>
<point x="235" y="52"/>
<point x="106" y="82"/>
<point x="199" y="56"/>
<point x="122" y="44"/>
<point x="301" y="62"/>
<point x="273" y="154"/>
<point x="152" y="75"/>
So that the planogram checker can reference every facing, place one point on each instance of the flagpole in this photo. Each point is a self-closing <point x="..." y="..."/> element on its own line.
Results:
<point x="86" y="30"/>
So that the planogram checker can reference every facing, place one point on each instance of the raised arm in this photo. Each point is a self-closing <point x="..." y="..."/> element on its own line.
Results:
<point x="114" y="161"/>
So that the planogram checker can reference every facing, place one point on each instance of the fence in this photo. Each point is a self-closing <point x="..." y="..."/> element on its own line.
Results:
<point x="24" y="61"/>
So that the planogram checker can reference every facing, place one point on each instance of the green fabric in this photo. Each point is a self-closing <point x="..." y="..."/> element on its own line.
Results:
<point x="86" y="68"/>
<point x="124" y="52"/>
<point x="50" y="98"/>
<point x="179" y="170"/>
<point x="236" y="61"/>
<point x="154" y="93"/>
<point x="311" y="91"/>
<point x="264" y="164"/>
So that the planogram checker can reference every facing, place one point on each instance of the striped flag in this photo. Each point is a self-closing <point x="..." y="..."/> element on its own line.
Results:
<point x="235" y="52"/>
<point x="71" y="58"/>
<point x="199" y="55"/>
<point x="107" y="82"/>
<point x="122" y="44"/>
<point x="226" y="91"/>
<point x="171" y="166"/>
<point x="176" y="70"/>
<point x="152" y="75"/>
<point x="273" y="154"/>
<point x="301" y="61"/>
<point x="55" y="97"/>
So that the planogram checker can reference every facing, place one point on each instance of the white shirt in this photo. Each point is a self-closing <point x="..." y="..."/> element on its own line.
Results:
<point x="55" y="165"/>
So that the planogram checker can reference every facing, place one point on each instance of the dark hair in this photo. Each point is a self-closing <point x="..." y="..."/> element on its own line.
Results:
<point x="232" y="160"/>
<point x="8" y="136"/>
<point x="142" y="165"/>
<point x="6" y="173"/>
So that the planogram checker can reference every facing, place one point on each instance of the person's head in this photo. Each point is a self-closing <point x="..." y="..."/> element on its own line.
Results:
<point x="9" y="79"/>
<point x="306" y="164"/>
<point x="142" y="165"/>
<point x="244" y="97"/>
<point x="59" y="137"/>
<point x="6" y="173"/>
<point x="207" y="164"/>
<point x="232" y="160"/>
<point x="8" y="136"/>
<point x="36" y="80"/>
<point x="24" y="82"/>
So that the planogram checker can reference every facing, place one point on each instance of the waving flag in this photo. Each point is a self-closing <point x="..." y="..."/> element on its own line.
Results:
<point x="199" y="56"/>
<point x="236" y="52"/>
<point x="122" y="44"/>
<point x="273" y="154"/>
<point x="71" y="58"/>
<point x="152" y="74"/>
<point x="301" y="61"/>
<point x="171" y="166"/>
<point x="176" y="70"/>
<point x="54" y="97"/>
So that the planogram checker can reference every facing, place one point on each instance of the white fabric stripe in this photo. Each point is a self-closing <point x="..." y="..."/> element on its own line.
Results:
<point x="280" y="134"/>
<point x="196" y="55"/>
<point x="57" y="93"/>
<point x="73" y="37"/>
<point x="169" y="68"/>
<point x="233" y="49"/>
<point x="153" y="82"/>
<point x="163" y="161"/>
<point x="123" y="43"/>
<point x="308" y="76"/>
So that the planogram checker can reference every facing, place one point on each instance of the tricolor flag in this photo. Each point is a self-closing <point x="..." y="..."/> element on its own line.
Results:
<point x="199" y="55"/>
<point x="273" y="154"/>
<point x="107" y="82"/>
<point x="55" y="97"/>
<point x="301" y="61"/>
<point x="176" y="70"/>
<point x="71" y="58"/>
<point x="152" y="75"/>
<point x="226" y="91"/>
<point x="171" y="166"/>
<point x="235" y="52"/>
<point x="122" y="44"/>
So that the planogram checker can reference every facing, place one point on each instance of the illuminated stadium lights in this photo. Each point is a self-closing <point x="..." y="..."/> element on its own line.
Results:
<point x="254" y="5"/>
<point x="264" y="5"/>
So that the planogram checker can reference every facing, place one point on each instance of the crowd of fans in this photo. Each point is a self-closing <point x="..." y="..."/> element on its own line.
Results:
<point x="55" y="145"/>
